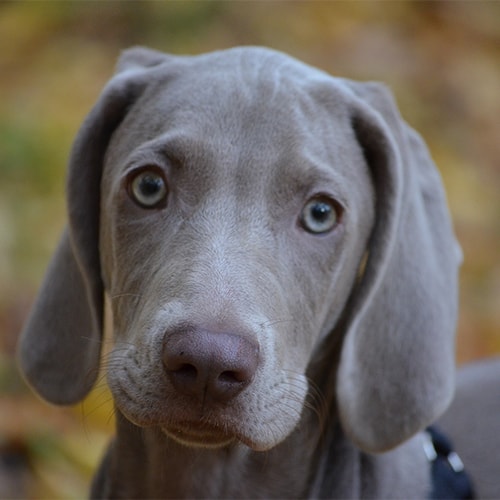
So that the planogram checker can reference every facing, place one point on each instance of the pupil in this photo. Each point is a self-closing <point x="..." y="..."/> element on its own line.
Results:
<point x="150" y="185"/>
<point x="321" y="212"/>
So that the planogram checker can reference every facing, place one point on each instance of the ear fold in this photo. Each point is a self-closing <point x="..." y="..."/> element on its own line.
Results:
<point x="60" y="345"/>
<point x="396" y="372"/>
<point x="140" y="58"/>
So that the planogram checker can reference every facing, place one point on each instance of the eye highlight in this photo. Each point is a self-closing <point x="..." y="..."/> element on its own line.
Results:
<point x="147" y="187"/>
<point x="320" y="215"/>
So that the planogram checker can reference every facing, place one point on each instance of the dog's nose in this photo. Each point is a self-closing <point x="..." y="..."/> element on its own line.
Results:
<point x="208" y="365"/>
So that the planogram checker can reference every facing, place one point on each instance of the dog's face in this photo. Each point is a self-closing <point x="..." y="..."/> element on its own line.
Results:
<point x="237" y="208"/>
<point x="237" y="219"/>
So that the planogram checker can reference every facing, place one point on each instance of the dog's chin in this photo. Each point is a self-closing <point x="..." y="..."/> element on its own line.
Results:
<point x="199" y="436"/>
<point x="209" y="437"/>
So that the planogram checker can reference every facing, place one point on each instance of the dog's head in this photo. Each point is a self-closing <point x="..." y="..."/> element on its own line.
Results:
<point x="237" y="208"/>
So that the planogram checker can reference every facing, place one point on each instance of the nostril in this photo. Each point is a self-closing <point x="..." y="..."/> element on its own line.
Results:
<point x="232" y="377"/>
<point x="186" y="370"/>
<point x="184" y="376"/>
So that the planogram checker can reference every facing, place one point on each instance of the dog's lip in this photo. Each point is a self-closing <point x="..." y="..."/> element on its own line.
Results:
<point x="199" y="435"/>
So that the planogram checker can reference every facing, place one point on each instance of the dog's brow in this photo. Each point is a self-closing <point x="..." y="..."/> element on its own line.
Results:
<point x="177" y="150"/>
<point x="181" y="149"/>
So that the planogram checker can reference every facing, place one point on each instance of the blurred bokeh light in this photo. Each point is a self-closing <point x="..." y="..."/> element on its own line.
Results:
<point x="440" y="59"/>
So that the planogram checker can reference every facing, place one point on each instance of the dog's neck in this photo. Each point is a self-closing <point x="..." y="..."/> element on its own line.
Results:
<point x="147" y="463"/>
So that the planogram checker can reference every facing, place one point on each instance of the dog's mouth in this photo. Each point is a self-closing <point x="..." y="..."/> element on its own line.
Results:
<point x="199" y="435"/>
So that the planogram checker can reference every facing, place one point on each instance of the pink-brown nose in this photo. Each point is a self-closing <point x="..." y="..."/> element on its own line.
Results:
<point x="209" y="365"/>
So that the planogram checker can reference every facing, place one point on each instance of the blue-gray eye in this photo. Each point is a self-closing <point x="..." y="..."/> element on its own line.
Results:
<point x="148" y="188"/>
<point x="319" y="215"/>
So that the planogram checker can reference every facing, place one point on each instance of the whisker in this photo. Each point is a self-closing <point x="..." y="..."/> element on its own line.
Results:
<point x="315" y="400"/>
<point x="121" y="295"/>
<point x="93" y="339"/>
<point x="98" y="406"/>
<point x="276" y="321"/>
<point x="112" y="414"/>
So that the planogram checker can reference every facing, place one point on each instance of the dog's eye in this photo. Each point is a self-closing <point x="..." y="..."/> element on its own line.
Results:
<point x="320" y="215"/>
<point x="148" y="188"/>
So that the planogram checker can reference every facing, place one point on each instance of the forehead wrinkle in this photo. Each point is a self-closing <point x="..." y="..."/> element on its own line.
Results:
<point x="179" y="151"/>
<point x="183" y="148"/>
<point x="248" y="131"/>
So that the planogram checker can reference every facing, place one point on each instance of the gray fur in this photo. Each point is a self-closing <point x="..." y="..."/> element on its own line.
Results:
<point x="350" y="333"/>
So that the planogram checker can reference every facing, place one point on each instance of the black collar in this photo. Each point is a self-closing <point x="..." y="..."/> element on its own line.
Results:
<point x="449" y="479"/>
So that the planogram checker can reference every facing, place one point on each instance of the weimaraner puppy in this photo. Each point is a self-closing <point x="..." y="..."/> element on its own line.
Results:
<point x="282" y="273"/>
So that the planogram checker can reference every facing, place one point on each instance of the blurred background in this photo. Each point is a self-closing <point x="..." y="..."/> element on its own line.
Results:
<point x="440" y="58"/>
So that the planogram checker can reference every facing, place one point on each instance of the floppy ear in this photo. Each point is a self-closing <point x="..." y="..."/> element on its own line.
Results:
<point x="59" y="348"/>
<point x="396" y="371"/>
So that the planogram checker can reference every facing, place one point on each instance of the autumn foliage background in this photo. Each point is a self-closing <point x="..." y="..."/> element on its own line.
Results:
<point x="442" y="60"/>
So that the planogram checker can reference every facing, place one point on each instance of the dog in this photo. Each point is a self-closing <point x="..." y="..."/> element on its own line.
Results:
<point x="282" y="271"/>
